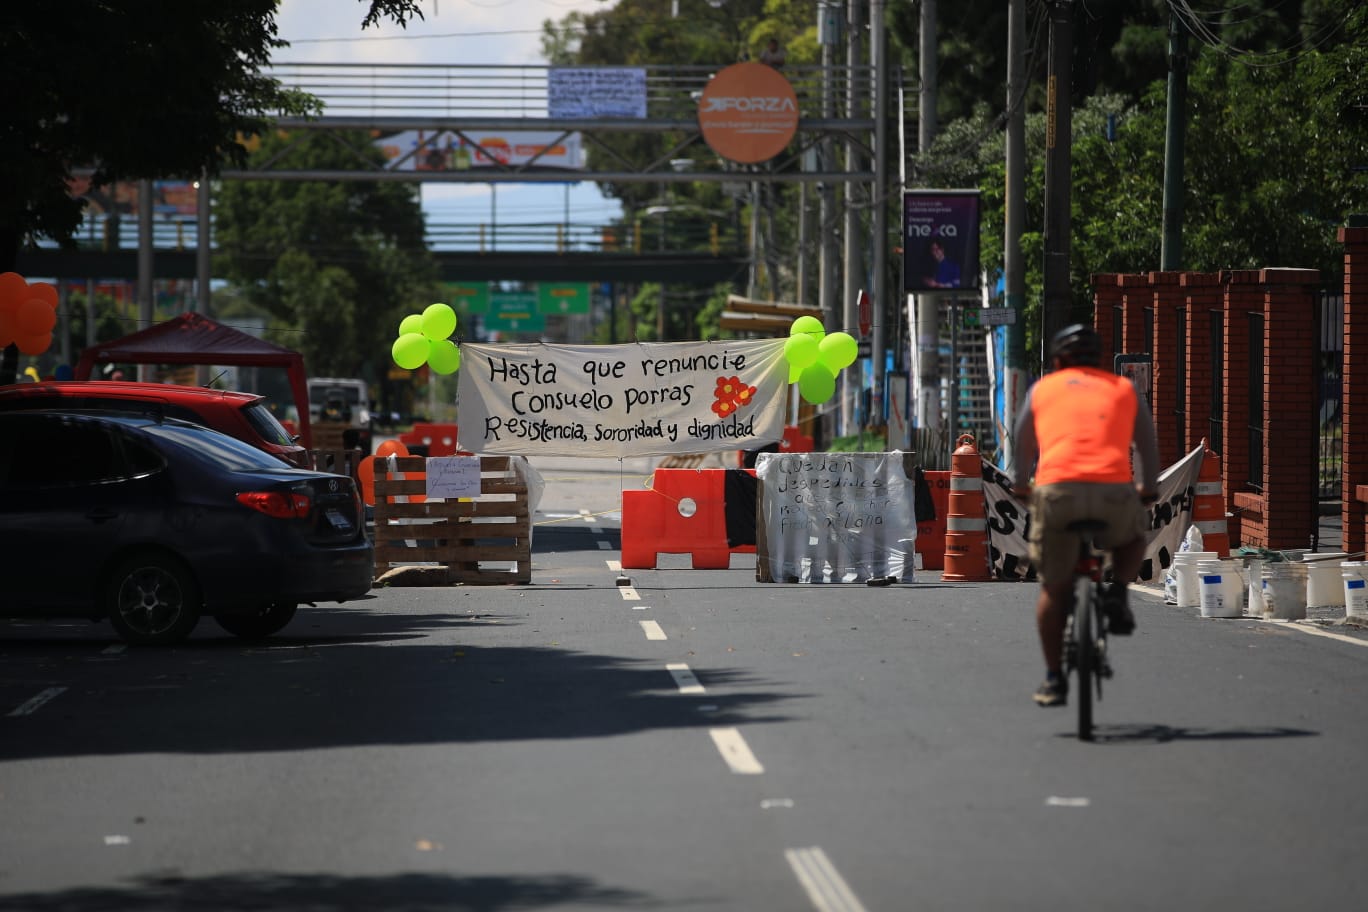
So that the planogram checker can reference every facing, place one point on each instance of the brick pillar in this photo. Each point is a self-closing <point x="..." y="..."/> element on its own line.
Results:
<point x="1169" y="305"/>
<point x="1135" y="297"/>
<point x="1290" y="387"/>
<point x="1106" y="301"/>
<point x="1244" y="295"/>
<point x="1354" y="512"/>
<point x="1204" y="296"/>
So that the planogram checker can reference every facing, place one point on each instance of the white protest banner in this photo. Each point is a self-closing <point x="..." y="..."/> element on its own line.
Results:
<point x="836" y="517"/>
<point x="637" y="399"/>
<point x="578" y="92"/>
<point x="1009" y="521"/>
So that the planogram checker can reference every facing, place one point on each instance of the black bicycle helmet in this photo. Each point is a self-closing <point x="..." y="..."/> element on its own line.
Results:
<point x="1077" y="344"/>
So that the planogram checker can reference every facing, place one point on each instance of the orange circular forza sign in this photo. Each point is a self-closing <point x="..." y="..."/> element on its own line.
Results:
<point x="748" y="113"/>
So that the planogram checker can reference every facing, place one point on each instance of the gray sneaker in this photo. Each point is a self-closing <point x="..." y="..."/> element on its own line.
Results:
<point x="1053" y="692"/>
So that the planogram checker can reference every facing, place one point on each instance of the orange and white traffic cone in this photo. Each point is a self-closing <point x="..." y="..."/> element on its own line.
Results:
<point x="966" y="522"/>
<point x="1208" y="506"/>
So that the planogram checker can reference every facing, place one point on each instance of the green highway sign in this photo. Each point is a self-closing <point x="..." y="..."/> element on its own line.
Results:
<point x="554" y="298"/>
<point x="471" y="299"/>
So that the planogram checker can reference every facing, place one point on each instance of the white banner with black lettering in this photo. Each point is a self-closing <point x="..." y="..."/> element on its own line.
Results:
<point x="638" y="399"/>
<point x="1009" y="522"/>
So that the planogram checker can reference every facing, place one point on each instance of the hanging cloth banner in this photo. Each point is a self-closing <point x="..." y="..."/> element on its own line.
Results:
<point x="637" y="399"/>
<point x="1169" y="519"/>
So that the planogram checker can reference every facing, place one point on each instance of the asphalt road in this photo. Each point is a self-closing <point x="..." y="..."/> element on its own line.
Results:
<point x="694" y="741"/>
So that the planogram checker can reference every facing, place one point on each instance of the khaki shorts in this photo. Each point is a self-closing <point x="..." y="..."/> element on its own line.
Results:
<point x="1054" y="550"/>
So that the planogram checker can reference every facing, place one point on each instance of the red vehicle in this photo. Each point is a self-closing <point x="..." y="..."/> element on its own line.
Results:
<point x="241" y="415"/>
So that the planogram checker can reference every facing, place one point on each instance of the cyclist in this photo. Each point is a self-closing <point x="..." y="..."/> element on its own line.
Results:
<point x="1075" y="433"/>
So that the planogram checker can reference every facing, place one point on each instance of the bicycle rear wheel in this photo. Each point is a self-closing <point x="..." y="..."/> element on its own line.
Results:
<point x="1085" y="649"/>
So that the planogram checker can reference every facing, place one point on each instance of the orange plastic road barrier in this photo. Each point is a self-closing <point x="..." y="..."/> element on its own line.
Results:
<point x="440" y="439"/>
<point x="966" y="522"/>
<point x="931" y="532"/>
<point x="683" y="512"/>
<point x="1208" y="507"/>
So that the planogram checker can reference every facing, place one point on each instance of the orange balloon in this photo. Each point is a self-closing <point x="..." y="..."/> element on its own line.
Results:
<point x="365" y="473"/>
<point x="34" y="318"/>
<point x="13" y="289"/>
<point x="45" y="292"/>
<point x="34" y="345"/>
<point x="392" y="448"/>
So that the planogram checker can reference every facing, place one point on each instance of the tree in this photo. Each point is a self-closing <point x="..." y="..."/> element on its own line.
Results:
<point x="337" y="265"/>
<point x="168" y="92"/>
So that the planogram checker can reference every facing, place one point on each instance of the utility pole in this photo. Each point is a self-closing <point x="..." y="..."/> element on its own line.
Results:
<point x="828" y="33"/>
<point x="1171" y="247"/>
<point x="1058" y="157"/>
<point x="146" y="304"/>
<point x="851" y="383"/>
<point x="1014" y="273"/>
<point x="927" y="306"/>
<point x="878" y="58"/>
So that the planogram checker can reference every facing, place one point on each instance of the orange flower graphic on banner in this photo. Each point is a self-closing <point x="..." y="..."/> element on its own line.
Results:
<point x="731" y="393"/>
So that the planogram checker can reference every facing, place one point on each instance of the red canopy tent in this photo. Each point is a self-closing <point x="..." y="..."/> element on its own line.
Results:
<point x="193" y="338"/>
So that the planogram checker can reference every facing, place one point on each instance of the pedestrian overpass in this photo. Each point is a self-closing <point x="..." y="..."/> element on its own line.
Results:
<point x="467" y="101"/>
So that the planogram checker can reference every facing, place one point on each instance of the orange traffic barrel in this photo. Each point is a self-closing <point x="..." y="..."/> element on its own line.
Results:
<point x="966" y="522"/>
<point x="1208" y="504"/>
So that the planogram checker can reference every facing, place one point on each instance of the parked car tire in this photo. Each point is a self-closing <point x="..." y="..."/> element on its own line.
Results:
<point x="152" y="600"/>
<point x="272" y="619"/>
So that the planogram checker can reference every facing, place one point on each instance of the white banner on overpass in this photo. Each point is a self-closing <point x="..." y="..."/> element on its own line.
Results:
<point x="637" y="399"/>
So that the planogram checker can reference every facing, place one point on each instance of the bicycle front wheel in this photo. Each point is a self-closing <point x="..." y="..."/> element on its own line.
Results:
<point x="1085" y="646"/>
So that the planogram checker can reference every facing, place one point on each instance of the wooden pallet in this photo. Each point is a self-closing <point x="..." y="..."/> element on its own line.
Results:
<point x="338" y="461"/>
<point x="465" y="536"/>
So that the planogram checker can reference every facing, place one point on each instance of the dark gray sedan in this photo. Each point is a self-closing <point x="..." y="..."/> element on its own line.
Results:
<point x="153" y="523"/>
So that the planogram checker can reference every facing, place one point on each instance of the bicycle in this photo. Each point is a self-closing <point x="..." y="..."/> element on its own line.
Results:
<point x="1085" y="631"/>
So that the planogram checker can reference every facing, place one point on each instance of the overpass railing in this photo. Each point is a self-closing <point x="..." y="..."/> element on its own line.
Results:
<point x="520" y="91"/>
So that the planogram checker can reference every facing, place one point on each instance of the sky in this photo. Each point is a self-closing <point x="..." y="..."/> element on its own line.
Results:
<point x="453" y="31"/>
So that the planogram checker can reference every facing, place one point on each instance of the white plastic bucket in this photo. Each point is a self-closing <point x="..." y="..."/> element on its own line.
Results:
<point x="1284" y="590"/>
<point x="1324" y="583"/>
<point x="1355" y="577"/>
<point x="1185" y="571"/>
<point x="1221" y="588"/>
<point x="1254" y="601"/>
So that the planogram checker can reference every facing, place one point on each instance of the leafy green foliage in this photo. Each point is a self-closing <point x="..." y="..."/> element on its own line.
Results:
<point x="132" y="91"/>
<point x="339" y="262"/>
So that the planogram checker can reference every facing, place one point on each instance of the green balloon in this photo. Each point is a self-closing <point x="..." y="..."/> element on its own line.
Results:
<point x="410" y="350"/>
<point x="801" y="350"/>
<point x="443" y="356"/>
<point x="413" y="323"/>
<point x="439" y="321"/>
<point x="794" y="373"/>
<point x="810" y="326"/>
<point x="838" y="350"/>
<point x="817" y="384"/>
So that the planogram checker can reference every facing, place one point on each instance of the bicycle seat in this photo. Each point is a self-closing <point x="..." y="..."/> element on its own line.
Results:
<point x="1086" y="525"/>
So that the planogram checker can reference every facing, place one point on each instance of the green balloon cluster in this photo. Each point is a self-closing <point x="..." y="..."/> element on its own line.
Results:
<point x="816" y="357"/>
<point x="423" y="339"/>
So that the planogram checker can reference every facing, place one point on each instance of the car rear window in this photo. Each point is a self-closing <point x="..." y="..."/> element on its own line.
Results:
<point x="265" y="424"/>
<point x="227" y="452"/>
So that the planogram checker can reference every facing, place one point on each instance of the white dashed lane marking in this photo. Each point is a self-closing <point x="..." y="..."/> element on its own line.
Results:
<point x="736" y="752"/>
<point x="823" y="883"/>
<point x="31" y="706"/>
<point x="652" y="630"/>
<point x="684" y="678"/>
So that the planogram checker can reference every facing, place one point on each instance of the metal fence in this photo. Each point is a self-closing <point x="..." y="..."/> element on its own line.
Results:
<point x="1329" y="397"/>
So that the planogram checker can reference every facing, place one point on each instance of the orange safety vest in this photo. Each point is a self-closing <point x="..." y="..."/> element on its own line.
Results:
<point x="1084" y="424"/>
